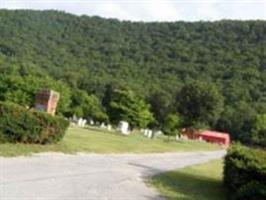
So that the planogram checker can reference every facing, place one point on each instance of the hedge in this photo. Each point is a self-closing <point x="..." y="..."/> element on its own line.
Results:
<point x="245" y="173"/>
<point x="18" y="124"/>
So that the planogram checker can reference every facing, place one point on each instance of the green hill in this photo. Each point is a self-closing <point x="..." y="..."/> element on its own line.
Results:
<point x="91" y="52"/>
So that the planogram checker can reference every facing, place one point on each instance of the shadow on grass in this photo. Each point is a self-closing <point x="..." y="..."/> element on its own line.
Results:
<point x="186" y="186"/>
<point x="147" y="170"/>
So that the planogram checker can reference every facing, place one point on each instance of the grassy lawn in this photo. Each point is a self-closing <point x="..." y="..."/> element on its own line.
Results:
<point x="199" y="182"/>
<point x="93" y="140"/>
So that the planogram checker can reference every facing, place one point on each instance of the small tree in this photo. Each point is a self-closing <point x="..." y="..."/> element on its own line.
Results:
<point x="200" y="102"/>
<point x="123" y="104"/>
<point x="161" y="104"/>
<point x="259" y="131"/>
<point x="171" y="125"/>
<point x="238" y="120"/>
<point x="84" y="105"/>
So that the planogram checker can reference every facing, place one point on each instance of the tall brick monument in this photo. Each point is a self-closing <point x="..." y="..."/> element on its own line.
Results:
<point x="46" y="100"/>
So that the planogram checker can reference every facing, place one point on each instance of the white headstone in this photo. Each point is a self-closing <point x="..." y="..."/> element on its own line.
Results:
<point x="84" y="122"/>
<point x="103" y="125"/>
<point x="123" y="127"/>
<point x="81" y="122"/>
<point x="146" y="132"/>
<point x="109" y="127"/>
<point x="149" y="133"/>
<point x="91" y="122"/>
<point x="177" y="137"/>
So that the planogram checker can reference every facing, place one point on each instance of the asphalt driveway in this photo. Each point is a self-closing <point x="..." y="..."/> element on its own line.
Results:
<point x="54" y="176"/>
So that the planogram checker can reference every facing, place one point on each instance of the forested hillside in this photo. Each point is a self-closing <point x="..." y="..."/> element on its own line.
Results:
<point x="88" y="55"/>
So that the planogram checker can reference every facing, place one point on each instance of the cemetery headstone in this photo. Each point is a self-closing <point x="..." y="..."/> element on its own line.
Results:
<point x="123" y="127"/>
<point x="80" y="122"/>
<point x="177" y="137"/>
<point x="149" y="135"/>
<point x="102" y="125"/>
<point x="145" y="132"/>
<point x="46" y="100"/>
<point x="84" y="122"/>
<point x="109" y="127"/>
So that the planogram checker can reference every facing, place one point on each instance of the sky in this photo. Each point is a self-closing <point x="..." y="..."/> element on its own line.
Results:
<point x="151" y="10"/>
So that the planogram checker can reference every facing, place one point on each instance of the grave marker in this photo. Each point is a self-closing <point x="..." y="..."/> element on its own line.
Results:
<point x="46" y="100"/>
<point x="123" y="127"/>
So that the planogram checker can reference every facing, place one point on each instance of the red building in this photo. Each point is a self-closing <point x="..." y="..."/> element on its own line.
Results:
<point x="214" y="137"/>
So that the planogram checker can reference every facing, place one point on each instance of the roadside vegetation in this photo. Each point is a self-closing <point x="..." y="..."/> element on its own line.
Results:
<point x="199" y="182"/>
<point x="18" y="124"/>
<point x="94" y="140"/>
<point x="245" y="173"/>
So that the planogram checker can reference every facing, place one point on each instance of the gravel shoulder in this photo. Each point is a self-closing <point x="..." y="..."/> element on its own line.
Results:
<point x="55" y="176"/>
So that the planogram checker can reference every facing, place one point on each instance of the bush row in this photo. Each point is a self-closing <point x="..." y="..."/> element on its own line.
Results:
<point x="245" y="173"/>
<point x="18" y="124"/>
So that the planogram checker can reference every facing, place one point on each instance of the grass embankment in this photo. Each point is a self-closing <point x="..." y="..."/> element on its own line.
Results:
<point x="98" y="141"/>
<point x="199" y="182"/>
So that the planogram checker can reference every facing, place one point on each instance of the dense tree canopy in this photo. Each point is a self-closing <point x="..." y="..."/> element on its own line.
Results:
<point x="259" y="130"/>
<point x="84" y="105"/>
<point x="237" y="120"/>
<point x="125" y="105"/>
<point x="172" y="125"/>
<point x="200" y="102"/>
<point x="153" y="60"/>
<point x="161" y="105"/>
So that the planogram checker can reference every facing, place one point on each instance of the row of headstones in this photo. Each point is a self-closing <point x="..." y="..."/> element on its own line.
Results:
<point x="123" y="126"/>
<point x="147" y="133"/>
<point x="79" y="121"/>
<point x="151" y="133"/>
<point x="100" y="125"/>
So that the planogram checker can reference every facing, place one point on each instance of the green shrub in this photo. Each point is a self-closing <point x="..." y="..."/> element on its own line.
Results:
<point x="252" y="191"/>
<point x="18" y="124"/>
<point x="245" y="173"/>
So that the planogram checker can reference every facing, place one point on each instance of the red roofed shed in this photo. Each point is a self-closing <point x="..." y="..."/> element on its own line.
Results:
<point x="214" y="137"/>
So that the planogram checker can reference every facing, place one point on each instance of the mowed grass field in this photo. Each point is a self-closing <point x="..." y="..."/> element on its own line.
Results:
<point x="93" y="140"/>
<point x="198" y="182"/>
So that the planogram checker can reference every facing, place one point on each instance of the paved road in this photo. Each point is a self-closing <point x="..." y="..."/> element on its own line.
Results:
<point x="89" y="176"/>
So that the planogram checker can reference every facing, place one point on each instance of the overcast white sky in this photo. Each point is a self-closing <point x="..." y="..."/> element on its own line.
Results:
<point x="151" y="10"/>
